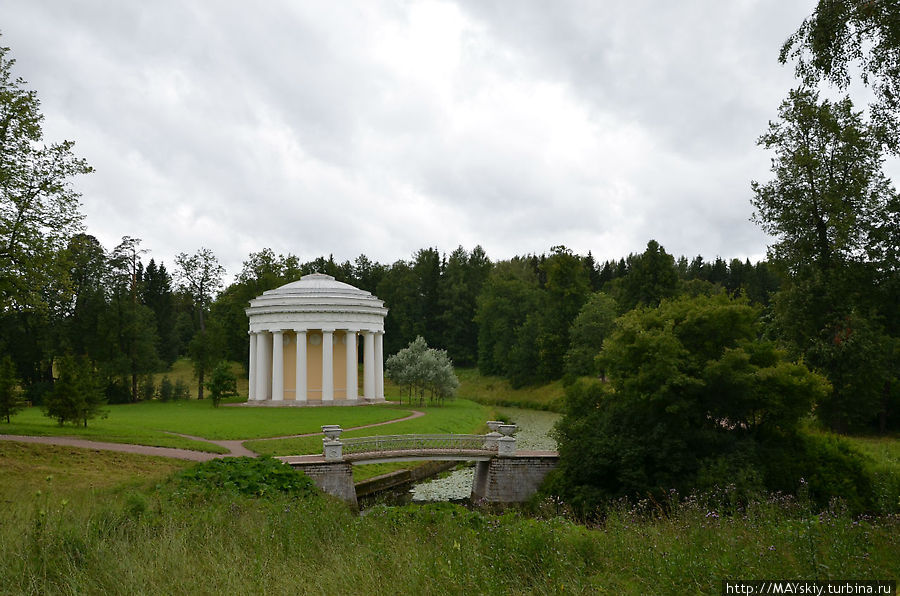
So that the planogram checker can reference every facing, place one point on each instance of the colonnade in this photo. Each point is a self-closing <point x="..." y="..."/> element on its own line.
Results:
<point x="267" y="358"/>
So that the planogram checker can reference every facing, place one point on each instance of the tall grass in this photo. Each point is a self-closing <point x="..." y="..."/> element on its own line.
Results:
<point x="156" y="542"/>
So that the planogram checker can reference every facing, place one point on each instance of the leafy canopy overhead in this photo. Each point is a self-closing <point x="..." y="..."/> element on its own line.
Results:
<point x="843" y="37"/>
<point x="38" y="206"/>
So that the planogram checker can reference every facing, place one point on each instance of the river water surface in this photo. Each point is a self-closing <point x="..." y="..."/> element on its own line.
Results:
<point x="533" y="434"/>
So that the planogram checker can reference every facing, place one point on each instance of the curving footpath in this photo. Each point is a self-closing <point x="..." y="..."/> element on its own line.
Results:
<point x="235" y="447"/>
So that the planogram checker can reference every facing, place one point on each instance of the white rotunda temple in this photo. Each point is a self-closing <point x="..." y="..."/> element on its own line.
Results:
<point x="304" y="344"/>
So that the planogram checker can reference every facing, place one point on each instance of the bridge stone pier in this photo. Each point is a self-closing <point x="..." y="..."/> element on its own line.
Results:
<point x="502" y="474"/>
<point x="511" y="479"/>
<point x="332" y="478"/>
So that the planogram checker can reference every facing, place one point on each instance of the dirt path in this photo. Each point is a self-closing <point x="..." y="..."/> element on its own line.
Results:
<point x="235" y="447"/>
<point x="188" y="454"/>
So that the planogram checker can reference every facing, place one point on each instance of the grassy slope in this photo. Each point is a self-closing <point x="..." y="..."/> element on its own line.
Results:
<point x="121" y="536"/>
<point x="70" y="472"/>
<point x="183" y="370"/>
<point x="496" y="391"/>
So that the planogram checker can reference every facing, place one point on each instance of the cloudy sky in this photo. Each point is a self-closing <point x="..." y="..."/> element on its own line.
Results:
<point x="384" y="127"/>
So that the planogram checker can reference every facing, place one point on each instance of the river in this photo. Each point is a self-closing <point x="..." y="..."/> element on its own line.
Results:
<point x="533" y="434"/>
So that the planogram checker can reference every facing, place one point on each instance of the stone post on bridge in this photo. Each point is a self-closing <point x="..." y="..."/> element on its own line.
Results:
<point x="331" y="444"/>
<point x="506" y="445"/>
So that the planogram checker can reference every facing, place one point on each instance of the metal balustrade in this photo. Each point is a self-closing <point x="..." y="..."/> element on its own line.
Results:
<point x="383" y="443"/>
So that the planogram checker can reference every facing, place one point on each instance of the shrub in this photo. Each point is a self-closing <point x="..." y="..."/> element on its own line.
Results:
<point x="76" y="396"/>
<point x="251" y="476"/>
<point x="10" y="394"/>
<point x="117" y="392"/>
<point x="221" y="384"/>
<point x="694" y="401"/>
<point x="37" y="392"/>
<point x="166" y="389"/>
<point x="147" y="389"/>
<point x="181" y="390"/>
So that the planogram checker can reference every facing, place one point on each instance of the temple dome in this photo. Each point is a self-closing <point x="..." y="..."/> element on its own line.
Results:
<point x="316" y="299"/>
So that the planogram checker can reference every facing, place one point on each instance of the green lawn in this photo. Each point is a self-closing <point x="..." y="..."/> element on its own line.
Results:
<point x="145" y="423"/>
<point x="459" y="416"/>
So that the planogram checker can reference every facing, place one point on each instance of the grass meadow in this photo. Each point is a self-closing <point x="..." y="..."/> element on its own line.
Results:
<point x="116" y="524"/>
<point x="496" y="391"/>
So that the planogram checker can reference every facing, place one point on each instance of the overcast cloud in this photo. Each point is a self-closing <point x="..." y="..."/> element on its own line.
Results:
<point x="385" y="127"/>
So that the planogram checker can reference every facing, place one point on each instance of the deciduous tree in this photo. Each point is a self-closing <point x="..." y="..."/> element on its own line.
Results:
<point x="39" y="209"/>
<point x="843" y="38"/>
<point x="692" y="400"/>
<point x="200" y="277"/>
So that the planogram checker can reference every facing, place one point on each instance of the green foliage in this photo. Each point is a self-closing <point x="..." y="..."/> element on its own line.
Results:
<point x="829" y="192"/>
<point x="524" y="314"/>
<point x="181" y="390"/>
<point x="166" y="389"/>
<point x="76" y="395"/>
<point x="651" y="278"/>
<point x="496" y="391"/>
<point x="461" y="281"/>
<point x="38" y="206"/>
<point x="820" y="467"/>
<point x="251" y="476"/>
<point x="593" y="324"/>
<point x="834" y="213"/>
<point x="420" y="369"/>
<point x="692" y="393"/>
<point x="222" y="383"/>
<point x="200" y="278"/>
<point x="846" y="37"/>
<point x="10" y="392"/>
<point x="147" y="388"/>
<point x="509" y="294"/>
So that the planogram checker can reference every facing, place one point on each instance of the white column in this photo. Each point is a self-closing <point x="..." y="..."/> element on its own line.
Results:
<point x="301" y="365"/>
<point x="278" y="365"/>
<point x="351" y="363"/>
<point x="379" y="365"/>
<point x="327" y="364"/>
<point x="369" y="365"/>
<point x="251" y="384"/>
<point x="262" y="374"/>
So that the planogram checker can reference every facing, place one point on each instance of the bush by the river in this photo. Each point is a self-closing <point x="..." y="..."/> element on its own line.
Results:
<point x="694" y="401"/>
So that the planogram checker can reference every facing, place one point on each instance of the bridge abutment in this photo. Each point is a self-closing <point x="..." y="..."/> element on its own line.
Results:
<point x="511" y="479"/>
<point x="333" y="478"/>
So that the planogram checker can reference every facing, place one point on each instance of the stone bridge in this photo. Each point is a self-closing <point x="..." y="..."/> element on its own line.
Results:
<point x="502" y="474"/>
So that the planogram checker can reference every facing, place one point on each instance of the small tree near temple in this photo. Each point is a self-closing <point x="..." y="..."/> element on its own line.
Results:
<point x="10" y="394"/>
<point x="222" y="383"/>
<point x="419" y="370"/>
<point x="76" y="396"/>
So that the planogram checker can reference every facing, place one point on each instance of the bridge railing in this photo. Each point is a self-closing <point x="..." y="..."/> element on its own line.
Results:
<point x="417" y="442"/>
